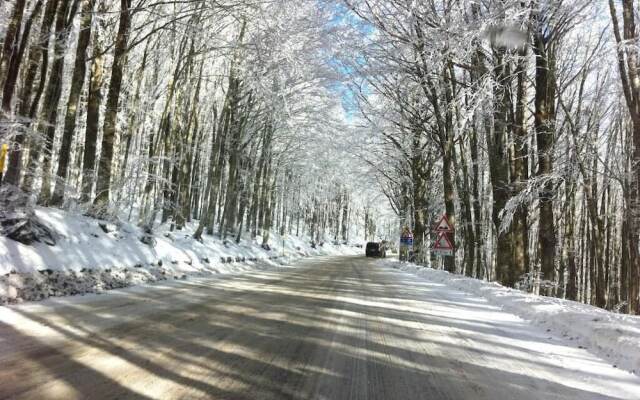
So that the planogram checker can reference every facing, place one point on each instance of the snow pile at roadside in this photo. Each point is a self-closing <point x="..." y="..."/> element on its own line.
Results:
<point x="92" y="255"/>
<point x="614" y="337"/>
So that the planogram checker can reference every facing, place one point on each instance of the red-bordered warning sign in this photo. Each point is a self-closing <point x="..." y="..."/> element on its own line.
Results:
<point x="443" y="225"/>
<point x="443" y="243"/>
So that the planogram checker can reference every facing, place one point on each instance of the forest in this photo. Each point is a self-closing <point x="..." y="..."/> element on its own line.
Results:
<point x="172" y="111"/>
<point x="519" y="119"/>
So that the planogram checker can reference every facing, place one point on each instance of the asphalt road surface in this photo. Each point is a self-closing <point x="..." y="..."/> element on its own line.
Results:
<point x="328" y="328"/>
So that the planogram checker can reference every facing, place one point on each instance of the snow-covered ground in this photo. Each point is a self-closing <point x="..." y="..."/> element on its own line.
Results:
<point x="89" y="257"/>
<point x="613" y="337"/>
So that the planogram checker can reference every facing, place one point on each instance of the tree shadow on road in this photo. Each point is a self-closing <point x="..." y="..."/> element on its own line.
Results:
<point x="314" y="333"/>
<point x="41" y="364"/>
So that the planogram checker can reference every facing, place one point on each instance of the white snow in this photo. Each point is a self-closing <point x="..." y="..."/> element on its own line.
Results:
<point x="84" y="253"/>
<point x="82" y="244"/>
<point x="613" y="337"/>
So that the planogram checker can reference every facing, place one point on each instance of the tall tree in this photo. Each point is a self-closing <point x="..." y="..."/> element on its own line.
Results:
<point x="38" y="59"/>
<point x="103" y="185"/>
<point x="49" y="111"/>
<point x="77" y="84"/>
<point x="628" y="59"/>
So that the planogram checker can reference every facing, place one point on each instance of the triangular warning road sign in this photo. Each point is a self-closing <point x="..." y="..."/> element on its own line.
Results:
<point x="443" y="225"/>
<point x="442" y="242"/>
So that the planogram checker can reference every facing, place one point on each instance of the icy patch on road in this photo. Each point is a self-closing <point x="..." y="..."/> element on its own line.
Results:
<point x="613" y="337"/>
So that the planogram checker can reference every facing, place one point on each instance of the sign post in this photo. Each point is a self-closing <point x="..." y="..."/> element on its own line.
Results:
<point x="443" y="245"/>
<point x="406" y="243"/>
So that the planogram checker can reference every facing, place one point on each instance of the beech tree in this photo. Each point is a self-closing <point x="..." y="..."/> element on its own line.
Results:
<point x="506" y="107"/>
<point x="238" y="118"/>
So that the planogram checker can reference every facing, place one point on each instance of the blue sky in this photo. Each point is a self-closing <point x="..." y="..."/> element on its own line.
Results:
<point x="343" y="16"/>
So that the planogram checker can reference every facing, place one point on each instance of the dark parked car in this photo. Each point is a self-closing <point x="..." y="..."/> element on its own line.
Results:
<point x="375" y="249"/>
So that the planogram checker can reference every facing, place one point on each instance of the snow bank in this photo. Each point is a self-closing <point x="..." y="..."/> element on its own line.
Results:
<point x="92" y="255"/>
<point x="614" y="337"/>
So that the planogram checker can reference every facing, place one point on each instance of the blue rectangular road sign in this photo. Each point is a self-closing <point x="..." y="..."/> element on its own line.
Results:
<point x="407" y="241"/>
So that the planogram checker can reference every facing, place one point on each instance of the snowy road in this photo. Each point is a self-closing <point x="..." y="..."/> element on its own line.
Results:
<point x="331" y="328"/>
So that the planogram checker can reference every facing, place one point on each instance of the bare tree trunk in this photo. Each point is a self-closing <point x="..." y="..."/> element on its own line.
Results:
<point x="12" y="52"/>
<point x="94" y="96"/>
<point x="467" y="212"/>
<point x="448" y="155"/>
<point x="520" y="165"/>
<point x="257" y="183"/>
<point x="8" y="90"/>
<point x="477" y="217"/>
<point x="184" y="203"/>
<point x="269" y="198"/>
<point x="247" y="165"/>
<point x="345" y="217"/>
<point x="49" y="112"/>
<point x="572" y="280"/>
<point x="265" y="210"/>
<point x="10" y="45"/>
<point x="499" y="164"/>
<point x="30" y="111"/>
<point x="216" y="187"/>
<point x="544" y="123"/>
<point x="420" y="175"/>
<point x="208" y="194"/>
<point x="77" y="83"/>
<point x="159" y="140"/>
<point x="103" y="185"/>
<point x="134" y="126"/>
<point x="629" y="66"/>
